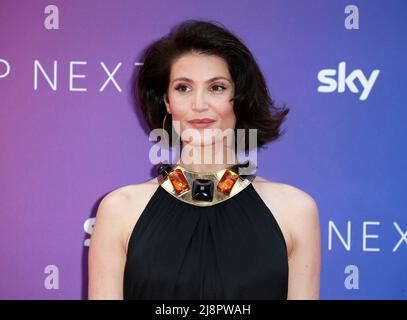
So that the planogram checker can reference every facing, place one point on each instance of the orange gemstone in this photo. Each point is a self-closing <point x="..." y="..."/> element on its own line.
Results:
<point x="178" y="180"/>
<point x="227" y="182"/>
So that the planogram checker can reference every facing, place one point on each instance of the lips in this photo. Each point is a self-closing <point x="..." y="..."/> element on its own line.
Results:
<point x="205" y="120"/>
<point x="201" y="123"/>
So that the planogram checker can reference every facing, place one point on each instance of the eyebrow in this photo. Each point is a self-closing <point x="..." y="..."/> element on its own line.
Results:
<point x="207" y="81"/>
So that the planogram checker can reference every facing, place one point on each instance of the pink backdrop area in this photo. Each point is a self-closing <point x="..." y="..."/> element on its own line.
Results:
<point x="63" y="148"/>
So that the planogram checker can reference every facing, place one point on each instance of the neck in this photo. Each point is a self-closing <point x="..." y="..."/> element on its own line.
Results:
<point x="205" y="159"/>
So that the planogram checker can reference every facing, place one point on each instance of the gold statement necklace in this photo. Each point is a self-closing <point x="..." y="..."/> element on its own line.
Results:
<point x="205" y="188"/>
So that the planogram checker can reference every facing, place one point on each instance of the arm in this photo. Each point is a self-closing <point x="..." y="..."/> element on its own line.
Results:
<point x="305" y="258"/>
<point x="106" y="252"/>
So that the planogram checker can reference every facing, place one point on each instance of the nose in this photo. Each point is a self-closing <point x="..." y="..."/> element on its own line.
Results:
<point x="199" y="103"/>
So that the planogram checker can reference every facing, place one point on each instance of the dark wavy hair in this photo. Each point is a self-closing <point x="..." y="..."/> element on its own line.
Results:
<point x="253" y="107"/>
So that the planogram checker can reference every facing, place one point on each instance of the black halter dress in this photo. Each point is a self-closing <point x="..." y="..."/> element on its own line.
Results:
<point x="231" y="250"/>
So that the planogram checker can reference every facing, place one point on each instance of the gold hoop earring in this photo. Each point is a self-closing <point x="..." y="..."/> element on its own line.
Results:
<point x="165" y="117"/>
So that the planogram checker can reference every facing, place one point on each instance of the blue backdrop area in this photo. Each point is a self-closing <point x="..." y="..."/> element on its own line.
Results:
<point x="69" y="134"/>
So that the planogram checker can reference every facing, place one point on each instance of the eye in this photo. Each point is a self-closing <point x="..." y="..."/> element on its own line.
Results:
<point x="181" y="86"/>
<point x="215" y="88"/>
<point x="219" y="86"/>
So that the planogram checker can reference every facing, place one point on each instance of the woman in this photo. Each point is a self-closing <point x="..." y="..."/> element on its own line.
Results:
<point x="205" y="231"/>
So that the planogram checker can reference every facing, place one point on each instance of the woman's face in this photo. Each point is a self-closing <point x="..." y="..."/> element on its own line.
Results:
<point x="201" y="87"/>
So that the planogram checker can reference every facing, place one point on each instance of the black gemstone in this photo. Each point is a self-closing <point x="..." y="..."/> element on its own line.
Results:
<point x="202" y="189"/>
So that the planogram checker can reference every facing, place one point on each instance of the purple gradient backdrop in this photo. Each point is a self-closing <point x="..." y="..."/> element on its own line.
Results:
<point x="62" y="151"/>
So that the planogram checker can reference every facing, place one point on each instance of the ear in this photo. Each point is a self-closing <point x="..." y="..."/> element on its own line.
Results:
<point x="167" y="105"/>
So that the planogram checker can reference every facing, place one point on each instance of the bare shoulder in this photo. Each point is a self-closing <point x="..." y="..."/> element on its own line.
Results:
<point x="123" y="201"/>
<point x="130" y="194"/>
<point x="292" y="207"/>
<point x="288" y="195"/>
<point x="123" y="206"/>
